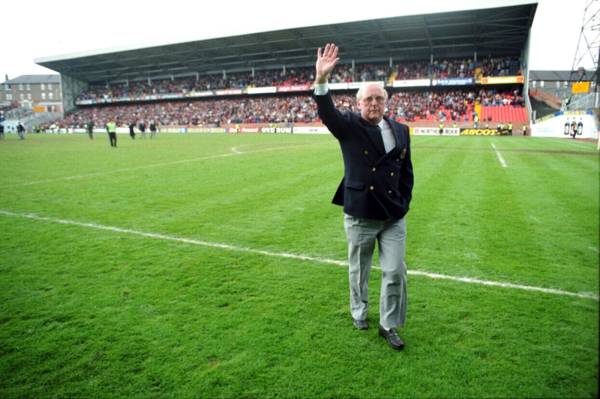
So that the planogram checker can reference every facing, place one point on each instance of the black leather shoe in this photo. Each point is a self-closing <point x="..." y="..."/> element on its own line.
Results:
<point x="392" y="337"/>
<point x="360" y="324"/>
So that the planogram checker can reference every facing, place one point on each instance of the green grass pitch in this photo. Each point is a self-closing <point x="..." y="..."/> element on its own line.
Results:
<point x="202" y="293"/>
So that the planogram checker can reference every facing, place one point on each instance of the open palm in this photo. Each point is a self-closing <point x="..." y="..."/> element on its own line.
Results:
<point x="327" y="58"/>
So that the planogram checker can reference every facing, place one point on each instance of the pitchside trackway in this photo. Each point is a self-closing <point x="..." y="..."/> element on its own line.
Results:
<point x="230" y="247"/>
<point x="202" y="273"/>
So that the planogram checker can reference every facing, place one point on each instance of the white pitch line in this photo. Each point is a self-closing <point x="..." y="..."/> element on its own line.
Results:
<point x="308" y="258"/>
<point x="234" y="151"/>
<point x="502" y="161"/>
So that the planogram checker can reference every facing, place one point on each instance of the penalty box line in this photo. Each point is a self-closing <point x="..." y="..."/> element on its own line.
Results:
<point x="229" y="247"/>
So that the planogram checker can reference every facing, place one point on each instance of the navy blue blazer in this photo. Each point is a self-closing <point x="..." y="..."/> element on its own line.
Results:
<point x="376" y="185"/>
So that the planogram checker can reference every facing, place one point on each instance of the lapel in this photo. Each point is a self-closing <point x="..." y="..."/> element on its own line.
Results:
<point x="397" y="150"/>
<point x="397" y="134"/>
<point x="373" y="134"/>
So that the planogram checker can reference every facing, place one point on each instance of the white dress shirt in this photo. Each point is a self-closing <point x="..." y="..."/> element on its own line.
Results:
<point x="389" y="142"/>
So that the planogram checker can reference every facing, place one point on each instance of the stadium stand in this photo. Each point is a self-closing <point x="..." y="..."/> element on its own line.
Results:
<point x="417" y="106"/>
<point x="455" y="74"/>
<point x="455" y="105"/>
<point x="180" y="87"/>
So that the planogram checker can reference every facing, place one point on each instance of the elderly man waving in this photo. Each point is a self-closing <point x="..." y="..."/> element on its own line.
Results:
<point x="375" y="192"/>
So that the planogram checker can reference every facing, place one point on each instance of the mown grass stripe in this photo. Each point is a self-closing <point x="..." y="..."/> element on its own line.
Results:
<point x="234" y="151"/>
<point x="308" y="258"/>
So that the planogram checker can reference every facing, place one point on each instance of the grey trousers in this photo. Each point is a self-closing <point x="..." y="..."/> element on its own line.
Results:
<point x="391" y="239"/>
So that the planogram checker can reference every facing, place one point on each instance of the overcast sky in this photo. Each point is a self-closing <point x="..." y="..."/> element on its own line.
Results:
<point x="37" y="29"/>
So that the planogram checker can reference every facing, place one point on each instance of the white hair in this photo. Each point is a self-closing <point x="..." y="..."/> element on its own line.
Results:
<point x="363" y="87"/>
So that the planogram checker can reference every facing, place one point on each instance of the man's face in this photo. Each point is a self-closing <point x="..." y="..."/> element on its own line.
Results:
<point x="372" y="103"/>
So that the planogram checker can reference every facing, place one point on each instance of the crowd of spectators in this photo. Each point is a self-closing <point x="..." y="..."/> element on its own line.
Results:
<point x="412" y="70"/>
<point x="459" y="68"/>
<point x="468" y="68"/>
<point x="287" y="109"/>
<point x="488" y="97"/>
<point x="448" y="105"/>
<point x="445" y="68"/>
<point x="240" y="80"/>
<point x="455" y="105"/>
<point x="503" y="66"/>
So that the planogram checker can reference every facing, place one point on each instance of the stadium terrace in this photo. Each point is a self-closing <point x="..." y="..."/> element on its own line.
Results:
<point x="445" y="68"/>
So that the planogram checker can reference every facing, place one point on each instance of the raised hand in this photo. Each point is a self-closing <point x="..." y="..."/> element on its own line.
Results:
<point x="326" y="61"/>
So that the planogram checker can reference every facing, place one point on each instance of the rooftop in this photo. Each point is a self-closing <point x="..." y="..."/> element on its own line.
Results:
<point x="34" y="79"/>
